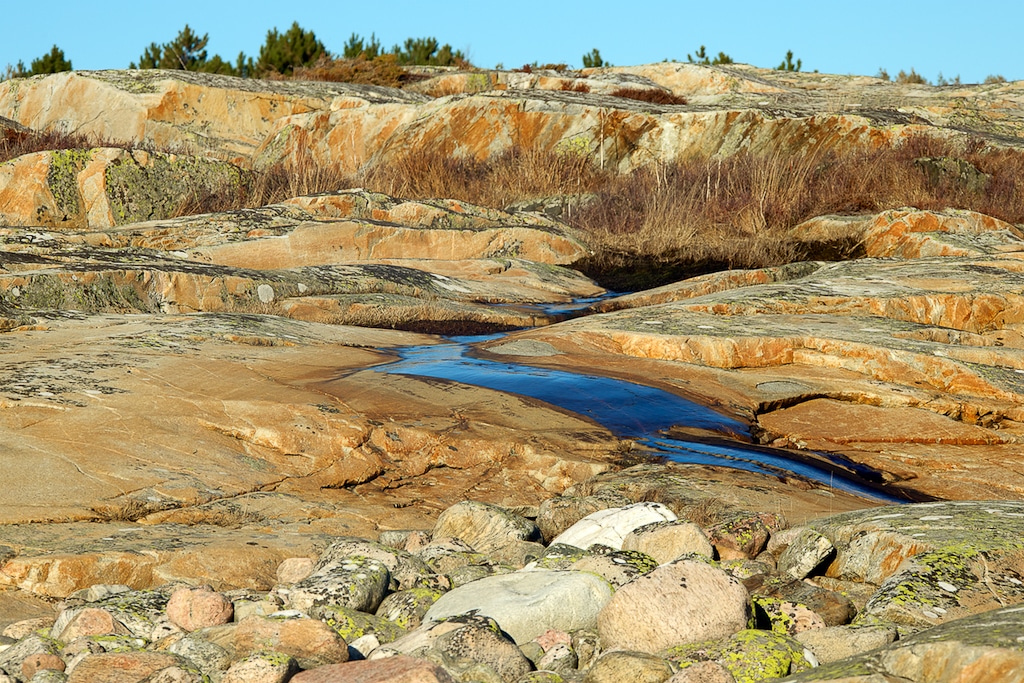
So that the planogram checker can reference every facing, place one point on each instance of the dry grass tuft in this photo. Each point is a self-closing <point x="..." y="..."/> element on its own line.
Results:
<point x="649" y="95"/>
<point x="14" y="144"/>
<point x="705" y="512"/>
<point x="499" y="181"/>
<point x="574" y="86"/>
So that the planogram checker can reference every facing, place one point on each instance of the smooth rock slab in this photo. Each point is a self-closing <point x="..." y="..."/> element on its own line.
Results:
<point x="680" y="602"/>
<point x="611" y="526"/>
<point x="528" y="603"/>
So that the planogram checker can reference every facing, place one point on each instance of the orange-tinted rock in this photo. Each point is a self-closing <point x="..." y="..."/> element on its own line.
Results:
<point x="195" y="608"/>
<point x="98" y="188"/>
<point x="38" y="662"/>
<point x="91" y="621"/>
<point x="121" y="667"/>
<point x="311" y="641"/>
<point x="398" y="669"/>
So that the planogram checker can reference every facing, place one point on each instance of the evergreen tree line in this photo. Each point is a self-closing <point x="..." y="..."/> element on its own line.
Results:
<point x="280" y="54"/>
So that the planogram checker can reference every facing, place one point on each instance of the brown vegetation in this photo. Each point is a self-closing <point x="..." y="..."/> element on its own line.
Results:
<point x="381" y="70"/>
<point x="652" y="95"/>
<point x="664" y="221"/>
<point x="575" y="86"/>
<point x="14" y="144"/>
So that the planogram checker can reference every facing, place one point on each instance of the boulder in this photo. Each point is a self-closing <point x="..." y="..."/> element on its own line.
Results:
<point x="194" y="608"/>
<point x="310" y="641"/>
<point x="679" y="602"/>
<point x="932" y="562"/>
<point x="749" y="655"/>
<point x="981" y="647"/>
<point x="617" y="567"/>
<point x="834" y="643"/>
<point x="398" y="669"/>
<point x="805" y="553"/>
<point x="352" y="581"/>
<point x="351" y="624"/>
<point x="122" y="667"/>
<point x="463" y="642"/>
<point x="634" y="667"/>
<point x="407" y="607"/>
<point x="528" y="603"/>
<point x="488" y="529"/>
<point x="665" y="541"/>
<point x="262" y="667"/>
<point x="610" y="526"/>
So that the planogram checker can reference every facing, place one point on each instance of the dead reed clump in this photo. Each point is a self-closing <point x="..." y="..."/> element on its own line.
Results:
<point x="651" y="95"/>
<point x="497" y="182"/>
<point x="14" y="144"/>
<point x="574" y="86"/>
<point x="667" y="221"/>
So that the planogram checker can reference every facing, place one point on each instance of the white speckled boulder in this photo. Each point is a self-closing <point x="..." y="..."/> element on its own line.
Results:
<point x="610" y="527"/>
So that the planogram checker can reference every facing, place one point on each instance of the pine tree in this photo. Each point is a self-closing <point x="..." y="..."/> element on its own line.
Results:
<point x="187" y="52"/>
<point x="356" y="47"/>
<point x="426" y="51"/>
<point x="593" y="60"/>
<point x="51" y="63"/>
<point x="283" y="52"/>
<point x="788" y="64"/>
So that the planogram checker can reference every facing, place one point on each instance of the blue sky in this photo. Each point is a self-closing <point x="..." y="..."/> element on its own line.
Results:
<point x="971" y="40"/>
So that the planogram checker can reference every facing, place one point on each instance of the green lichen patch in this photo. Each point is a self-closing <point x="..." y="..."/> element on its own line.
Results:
<point x="996" y="635"/>
<point x="751" y="655"/>
<point x="62" y="180"/>
<point x="164" y="184"/>
<point x="351" y="624"/>
<point x="407" y="607"/>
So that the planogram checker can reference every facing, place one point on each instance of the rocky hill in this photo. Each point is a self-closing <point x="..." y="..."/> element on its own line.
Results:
<point x="207" y="476"/>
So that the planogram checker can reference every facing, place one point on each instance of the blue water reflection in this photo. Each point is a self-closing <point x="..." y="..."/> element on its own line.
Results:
<point x="632" y="411"/>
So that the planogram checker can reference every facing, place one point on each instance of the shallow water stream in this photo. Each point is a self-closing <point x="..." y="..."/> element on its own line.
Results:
<point x="632" y="411"/>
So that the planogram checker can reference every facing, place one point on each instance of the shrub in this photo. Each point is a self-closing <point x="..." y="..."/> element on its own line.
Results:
<point x="911" y="78"/>
<point x="574" y="86"/>
<point x="381" y="70"/>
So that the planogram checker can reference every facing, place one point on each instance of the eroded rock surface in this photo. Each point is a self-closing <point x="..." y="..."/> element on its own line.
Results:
<point x="911" y="362"/>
